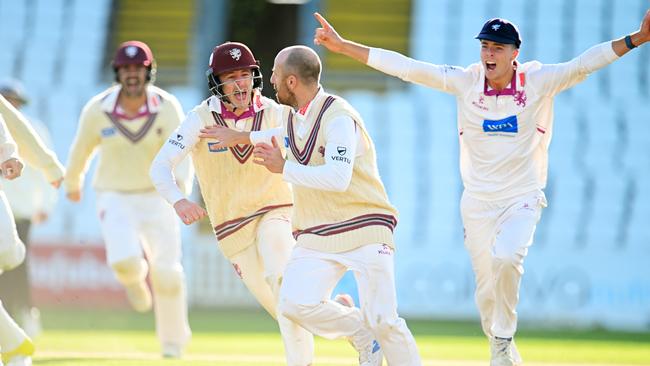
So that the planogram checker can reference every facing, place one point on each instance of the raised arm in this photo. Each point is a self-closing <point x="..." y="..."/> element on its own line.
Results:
<point x="327" y="37"/>
<point x="450" y="79"/>
<point x="641" y="36"/>
<point x="554" y="78"/>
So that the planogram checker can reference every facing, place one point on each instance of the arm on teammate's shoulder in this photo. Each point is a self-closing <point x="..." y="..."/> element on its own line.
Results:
<point x="265" y="136"/>
<point x="335" y="174"/>
<point x="224" y="136"/>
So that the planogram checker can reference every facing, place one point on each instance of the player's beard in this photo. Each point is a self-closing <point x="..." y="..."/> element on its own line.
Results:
<point x="289" y="98"/>
<point x="133" y="87"/>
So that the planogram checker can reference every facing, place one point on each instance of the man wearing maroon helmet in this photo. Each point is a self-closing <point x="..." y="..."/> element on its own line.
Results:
<point x="248" y="206"/>
<point x="127" y="124"/>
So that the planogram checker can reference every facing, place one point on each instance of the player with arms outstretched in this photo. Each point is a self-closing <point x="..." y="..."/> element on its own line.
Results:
<point x="505" y="117"/>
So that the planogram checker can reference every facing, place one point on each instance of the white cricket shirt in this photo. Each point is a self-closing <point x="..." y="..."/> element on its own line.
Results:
<point x="504" y="136"/>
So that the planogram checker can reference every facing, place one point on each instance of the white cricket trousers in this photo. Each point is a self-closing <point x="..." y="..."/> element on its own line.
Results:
<point x="12" y="254"/>
<point x="497" y="237"/>
<point x="261" y="267"/>
<point x="308" y="283"/>
<point x="144" y="223"/>
<point x="11" y="335"/>
<point x="12" y="250"/>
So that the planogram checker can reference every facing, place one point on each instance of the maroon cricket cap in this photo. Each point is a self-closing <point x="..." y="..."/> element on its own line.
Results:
<point x="133" y="53"/>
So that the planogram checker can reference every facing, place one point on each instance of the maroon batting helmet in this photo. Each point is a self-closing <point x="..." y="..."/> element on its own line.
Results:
<point x="231" y="56"/>
<point x="134" y="53"/>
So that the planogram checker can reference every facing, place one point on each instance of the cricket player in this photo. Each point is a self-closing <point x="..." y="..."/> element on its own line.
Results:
<point x="342" y="217"/>
<point x="31" y="199"/>
<point x="15" y="345"/>
<point x="505" y="121"/>
<point x="128" y="123"/>
<point x="248" y="207"/>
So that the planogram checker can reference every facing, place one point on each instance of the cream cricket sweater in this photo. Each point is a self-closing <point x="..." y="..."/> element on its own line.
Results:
<point x="237" y="192"/>
<point x="127" y="146"/>
<point x="331" y="221"/>
<point x="30" y="146"/>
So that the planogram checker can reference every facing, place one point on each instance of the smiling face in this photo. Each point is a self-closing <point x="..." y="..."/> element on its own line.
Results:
<point x="237" y="87"/>
<point x="498" y="59"/>
<point x="133" y="79"/>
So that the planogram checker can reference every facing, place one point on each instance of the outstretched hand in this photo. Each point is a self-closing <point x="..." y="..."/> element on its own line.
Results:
<point x="644" y="30"/>
<point x="269" y="156"/>
<point x="224" y="136"/>
<point x="326" y="36"/>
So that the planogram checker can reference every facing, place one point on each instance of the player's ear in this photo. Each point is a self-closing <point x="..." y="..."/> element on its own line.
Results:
<point x="515" y="53"/>
<point x="292" y="81"/>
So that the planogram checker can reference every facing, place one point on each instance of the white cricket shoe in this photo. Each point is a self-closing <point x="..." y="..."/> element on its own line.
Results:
<point x="516" y="357"/>
<point x="20" y="356"/>
<point x="501" y="352"/>
<point x="20" y="361"/>
<point x="370" y="353"/>
<point x="31" y="322"/>
<point x="139" y="296"/>
<point x="171" y="350"/>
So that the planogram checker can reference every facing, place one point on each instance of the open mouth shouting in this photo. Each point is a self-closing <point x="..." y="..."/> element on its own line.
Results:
<point x="490" y="65"/>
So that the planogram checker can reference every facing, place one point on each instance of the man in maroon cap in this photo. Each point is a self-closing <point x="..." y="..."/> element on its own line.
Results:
<point x="127" y="124"/>
<point x="248" y="207"/>
<point x="505" y="120"/>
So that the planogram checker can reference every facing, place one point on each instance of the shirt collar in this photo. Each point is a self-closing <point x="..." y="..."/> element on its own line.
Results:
<point x="510" y="90"/>
<point x="152" y="103"/>
<point x="307" y="108"/>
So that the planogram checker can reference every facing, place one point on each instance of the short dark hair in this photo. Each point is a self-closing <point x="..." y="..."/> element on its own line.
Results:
<point x="304" y="64"/>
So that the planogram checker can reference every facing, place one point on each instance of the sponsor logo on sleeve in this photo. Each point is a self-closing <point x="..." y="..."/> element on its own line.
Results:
<point x="385" y="250"/>
<point x="212" y="147"/>
<point x="108" y="131"/>
<point x="177" y="141"/>
<point x="501" y="127"/>
<point x="341" y="151"/>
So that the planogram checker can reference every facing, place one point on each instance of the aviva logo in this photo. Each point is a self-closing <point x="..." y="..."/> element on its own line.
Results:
<point x="508" y="124"/>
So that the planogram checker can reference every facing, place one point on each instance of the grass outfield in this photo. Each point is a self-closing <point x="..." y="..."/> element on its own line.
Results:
<point x="247" y="338"/>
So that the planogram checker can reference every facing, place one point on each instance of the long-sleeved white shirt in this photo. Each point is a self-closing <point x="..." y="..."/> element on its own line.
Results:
<point x="31" y="193"/>
<point x="7" y="144"/>
<point x="335" y="174"/>
<point x="504" y="136"/>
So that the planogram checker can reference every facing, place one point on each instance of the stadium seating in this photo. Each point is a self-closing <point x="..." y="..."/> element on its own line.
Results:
<point x="599" y="177"/>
